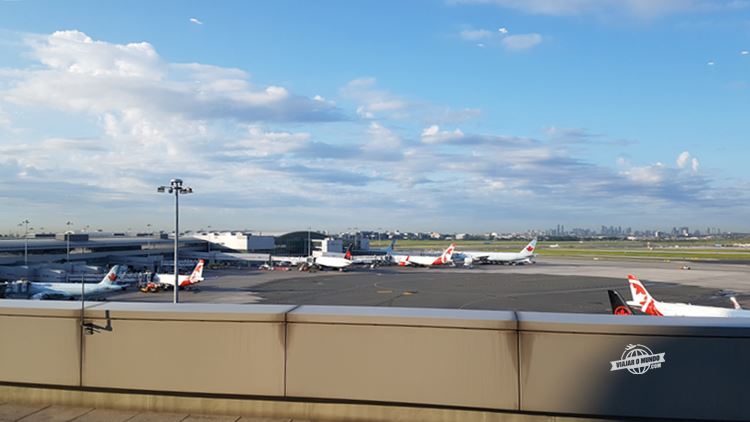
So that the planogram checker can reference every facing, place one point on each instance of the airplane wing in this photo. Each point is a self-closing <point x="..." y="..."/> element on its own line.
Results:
<point x="50" y="296"/>
<point x="479" y="257"/>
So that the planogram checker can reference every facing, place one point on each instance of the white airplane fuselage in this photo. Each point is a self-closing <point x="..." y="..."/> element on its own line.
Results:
<point x="425" y="261"/>
<point x="335" y="262"/>
<point x="168" y="279"/>
<point x="525" y="256"/>
<point x="73" y="290"/>
<point x="686" y="309"/>
<point x="500" y="257"/>
<point x="69" y="290"/>
<point x="184" y="280"/>
<point x="642" y="299"/>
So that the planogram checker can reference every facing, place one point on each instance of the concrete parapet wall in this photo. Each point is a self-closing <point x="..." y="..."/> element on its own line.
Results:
<point x="40" y="343"/>
<point x="532" y="363"/>
<point x="566" y="366"/>
<point x="214" y="349"/>
<point x="392" y="357"/>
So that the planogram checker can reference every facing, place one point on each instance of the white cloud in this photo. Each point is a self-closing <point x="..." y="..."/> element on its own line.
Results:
<point x="644" y="9"/>
<point x="475" y="34"/>
<point x="196" y="21"/>
<point x="516" y="42"/>
<point x="148" y="120"/>
<point x="711" y="63"/>
<point x="5" y="121"/>
<point x="83" y="75"/>
<point x="373" y="102"/>
<point x="683" y="159"/>
<point x="75" y="53"/>
<point x="433" y="135"/>
<point x="521" y="41"/>
<point x="259" y="143"/>
<point x="744" y="52"/>
<point x="647" y="175"/>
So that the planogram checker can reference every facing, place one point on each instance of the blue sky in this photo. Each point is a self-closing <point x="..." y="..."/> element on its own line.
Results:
<point x="462" y="115"/>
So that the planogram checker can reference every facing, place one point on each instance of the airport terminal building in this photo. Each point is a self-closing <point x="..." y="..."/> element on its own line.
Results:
<point x="54" y="258"/>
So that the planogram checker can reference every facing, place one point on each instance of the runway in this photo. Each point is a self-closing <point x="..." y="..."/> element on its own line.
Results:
<point x="555" y="285"/>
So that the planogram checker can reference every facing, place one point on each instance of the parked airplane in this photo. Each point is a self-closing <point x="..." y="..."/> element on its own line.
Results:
<point x="73" y="290"/>
<point x="426" y="261"/>
<point x="525" y="256"/>
<point x="647" y="304"/>
<point x="335" y="262"/>
<point x="164" y="281"/>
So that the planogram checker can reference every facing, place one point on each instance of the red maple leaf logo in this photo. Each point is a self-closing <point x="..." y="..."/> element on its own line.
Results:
<point x="529" y="248"/>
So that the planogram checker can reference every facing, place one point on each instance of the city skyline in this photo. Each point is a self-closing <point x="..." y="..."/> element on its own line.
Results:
<point x="457" y="116"/>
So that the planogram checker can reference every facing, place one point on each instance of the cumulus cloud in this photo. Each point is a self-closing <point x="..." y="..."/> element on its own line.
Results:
<point x="521" y="41"/>
<point x="651" y="175"/>
<point x="196" y="21"/>
<point x="433" y="135"/>
<point x="140" y="120"/>
<point x="156" y="119"/>
<point x="97" y="77"/>
<point x="381" y="144"/>
<point x="373" y="101"/>
<point x="683" y="159"/>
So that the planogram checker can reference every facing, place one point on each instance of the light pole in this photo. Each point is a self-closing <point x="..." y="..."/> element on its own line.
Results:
<point x="67" y="237"/>
<point x="25" y="241"/>
<point x="175" y="187"/>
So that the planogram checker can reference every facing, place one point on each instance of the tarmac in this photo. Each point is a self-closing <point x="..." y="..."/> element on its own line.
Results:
<point x="552" y="285"/>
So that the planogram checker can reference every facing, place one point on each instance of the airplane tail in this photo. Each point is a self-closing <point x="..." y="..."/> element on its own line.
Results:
<point x="448" y="254"/>
<point x="197" y="275"/>
<point x="529" y="249"/>
<point x="348" y="254"/>
<point x="388" y="257"/>
<point x="641" y="297"/>
<point x="619" y="307"/>
<point x="114" y="274"/>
